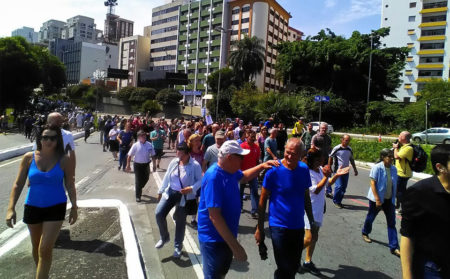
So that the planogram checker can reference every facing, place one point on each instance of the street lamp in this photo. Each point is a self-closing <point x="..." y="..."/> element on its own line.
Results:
<point x="222" y="31"/>
<point x="427" y="105"/>
<point x="370" y="77"/>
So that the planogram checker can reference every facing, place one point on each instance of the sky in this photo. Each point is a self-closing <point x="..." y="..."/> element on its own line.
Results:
<point x="310" y="16"/>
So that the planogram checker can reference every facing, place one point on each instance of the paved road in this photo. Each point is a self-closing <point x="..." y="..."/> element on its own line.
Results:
<point x="11" y="140"/>
<point x="340" y="252"/>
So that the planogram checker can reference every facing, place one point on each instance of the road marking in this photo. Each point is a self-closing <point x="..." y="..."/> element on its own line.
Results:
<point x="96" y="171"/>
<point x="81" y="181"/>
<point x="19" y="237"/>
<point x="189" y="243"/>
<point x="12" y="162"/>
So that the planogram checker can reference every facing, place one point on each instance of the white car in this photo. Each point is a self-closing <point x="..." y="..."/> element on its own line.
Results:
<point x="316" y="124"/>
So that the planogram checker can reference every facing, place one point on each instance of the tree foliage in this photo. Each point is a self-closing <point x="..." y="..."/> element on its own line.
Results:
<point x="168" y="97"/>
<point x="151" y="107"/>
<point x="333" y="63"/>
<point x="52" y="70"/>
<point x="228" y="85"/>
<point x="247" y="60"/>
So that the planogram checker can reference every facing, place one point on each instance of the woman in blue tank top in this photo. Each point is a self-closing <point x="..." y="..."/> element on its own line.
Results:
<point x="48" y="170"/>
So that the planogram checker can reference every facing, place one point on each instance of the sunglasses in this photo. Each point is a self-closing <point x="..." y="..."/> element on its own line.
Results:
<point x="51" y="138"/>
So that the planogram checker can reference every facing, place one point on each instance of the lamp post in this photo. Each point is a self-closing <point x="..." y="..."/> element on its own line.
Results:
<point x="222" y="31"/>
<point x="370" y="79"/>
<point x="427" y="105"/>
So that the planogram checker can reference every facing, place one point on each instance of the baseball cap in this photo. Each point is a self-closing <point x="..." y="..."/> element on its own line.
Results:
<point x="220" y="134"/>
<point x="232" y="147"/>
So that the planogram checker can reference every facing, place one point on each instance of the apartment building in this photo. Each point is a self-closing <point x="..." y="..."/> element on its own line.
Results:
<point x="422" y="27"/>
<point x="27" y="33"/>
<point x="117" y="28"/>
<point x="50" y="30"/>
<point x="134" y="55"/>
<point x="267" y="20"/>
<point x="294" y="34"/>
<point x="81" y="28"/>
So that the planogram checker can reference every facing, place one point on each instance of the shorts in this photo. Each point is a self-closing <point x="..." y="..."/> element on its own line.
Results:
<point x="37" y="215"/>
<point x="158" y="153"/>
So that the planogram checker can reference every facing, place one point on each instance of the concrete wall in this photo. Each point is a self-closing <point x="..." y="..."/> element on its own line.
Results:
<point x="259" y="29"/>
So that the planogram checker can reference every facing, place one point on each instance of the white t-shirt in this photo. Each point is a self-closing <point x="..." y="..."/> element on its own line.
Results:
<point x="67" y="139"/>
<point x="142" y="152"/>
<point x="113" y="133"/>
<point x="317" y="200"/>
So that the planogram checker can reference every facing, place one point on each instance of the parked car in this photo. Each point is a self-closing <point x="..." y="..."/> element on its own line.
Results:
<point x="435" y="135"/>
<point x="315" y="127"/>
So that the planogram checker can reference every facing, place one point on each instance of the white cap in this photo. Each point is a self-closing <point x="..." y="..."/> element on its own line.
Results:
<point x="232" y="147"/>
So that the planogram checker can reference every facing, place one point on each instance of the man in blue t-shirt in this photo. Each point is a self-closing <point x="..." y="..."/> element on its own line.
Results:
<point x="288" y="189"/>
<point x="157" y="136"/>
<point x="220" y="208"/>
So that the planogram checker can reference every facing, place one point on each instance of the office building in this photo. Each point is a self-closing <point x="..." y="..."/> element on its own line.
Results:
<point x="422" y="27"/>
<point x="134" y="56"/>
<point x="81" y="28"/>
<point x="117" y="28"/>
<point x="294" y="34"/>
<point x="148" y="31"/>
<point x="27" y="33"/>
<point x="49" y="30"/>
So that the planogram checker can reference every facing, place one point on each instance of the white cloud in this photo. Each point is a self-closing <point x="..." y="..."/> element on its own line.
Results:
<point x="330" y="3"/>
<point x="359" y="9"/>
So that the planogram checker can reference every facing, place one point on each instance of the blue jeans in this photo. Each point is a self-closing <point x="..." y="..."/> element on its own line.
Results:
<point x="216" y="258"/>
<point x="340" y="188"/>
<point x="253" y="193"/>
<point x="389" y="211"/>
<point x="162" y="209"/>
<point x="123" y="151"/>
<point x="287" y="248"/>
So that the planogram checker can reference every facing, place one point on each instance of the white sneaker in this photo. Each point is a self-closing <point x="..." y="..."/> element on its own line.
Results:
<point x="161" y="243"/>
<point x="177" y="253"/>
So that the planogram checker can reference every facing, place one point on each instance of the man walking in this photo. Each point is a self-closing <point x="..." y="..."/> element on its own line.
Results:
<point x="307" y="136"/>
<point x="288" y="189"/>
<point x="299" y="128"/>
<point x="322" y="141"/>
<point x="342" y="156"/>
<point x="403" y="154"/>
<point x="251" y="160"/>
<point x="209" y="139"/>
<point x="157" y="136"/>
<point x="212" y="153"/>
<point x="219" y="210"/>
<point x="270" y="146"/>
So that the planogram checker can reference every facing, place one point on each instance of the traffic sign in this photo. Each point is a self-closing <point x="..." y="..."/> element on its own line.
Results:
<point x="325" y="99"/>
<point x="92" y="80"/>
<point x="317" y="98"/>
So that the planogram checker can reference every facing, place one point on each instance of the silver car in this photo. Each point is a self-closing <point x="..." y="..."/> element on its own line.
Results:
<point x="435" y="136"/>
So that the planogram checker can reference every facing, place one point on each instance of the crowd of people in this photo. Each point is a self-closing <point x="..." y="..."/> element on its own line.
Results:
<point x="294" y="174"/>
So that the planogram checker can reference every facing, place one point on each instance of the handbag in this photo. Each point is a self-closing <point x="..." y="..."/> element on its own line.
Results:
<point x="190" y="206"/>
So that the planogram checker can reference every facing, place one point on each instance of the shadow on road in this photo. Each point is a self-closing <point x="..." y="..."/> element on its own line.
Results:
<point x="356" y="197"/>
<point x="355" y="207"/>
<point x="184" y="261"/>
<point x="346" y="271"/>
<point x="239" y="266"/>
<point x="90" y="246"/>
<point x="146" y="199"/>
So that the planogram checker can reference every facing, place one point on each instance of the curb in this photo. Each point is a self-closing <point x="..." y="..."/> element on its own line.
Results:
<point x="22" y="149"/>
<point x="416" y="175"/>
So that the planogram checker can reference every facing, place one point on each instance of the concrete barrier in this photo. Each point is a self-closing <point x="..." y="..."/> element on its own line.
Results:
<point x="12" y="152"/>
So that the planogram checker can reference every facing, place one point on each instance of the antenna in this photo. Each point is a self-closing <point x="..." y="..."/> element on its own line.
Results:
<point x="111" y="4"/>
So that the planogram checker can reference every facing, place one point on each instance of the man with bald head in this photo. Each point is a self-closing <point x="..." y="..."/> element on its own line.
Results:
<point x="403" y="153"/>
<point x="56" y="119"/>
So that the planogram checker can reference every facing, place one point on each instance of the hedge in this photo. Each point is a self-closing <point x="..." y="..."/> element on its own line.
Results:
<point x="369" y="150"/>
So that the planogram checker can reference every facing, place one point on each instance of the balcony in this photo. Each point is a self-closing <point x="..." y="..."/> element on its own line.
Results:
<point x="433" y="24"/>
<point x="430" y="51"/>
<point x="410" y="45"/>
<point x="434" y="10"/>
<point x="215" y="53"/>
<point x="410" y="59"/>
<point x="411" y="32"/>
<point x="432" y="38"/>
<point x="408" y="86"/>
<point x="426" y="79"/>
<point x="430" y="66"/>
<point x="408" y="73"/>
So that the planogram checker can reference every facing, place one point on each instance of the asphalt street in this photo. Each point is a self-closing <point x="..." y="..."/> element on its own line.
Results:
<point x="340" y="251"/>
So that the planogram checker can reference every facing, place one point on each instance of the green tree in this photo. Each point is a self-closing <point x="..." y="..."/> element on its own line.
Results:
<point x="52" y="70"/>
<point x="247" y="60"/>
<point x="142" y="94"/>
<point x="168" y="97"/>
<point x="19" y="72"/>
<point x="228" y="85"/>
<point x="333" y="63"/>
<point x="151" y="107"/>
<point x="244" y="102"/>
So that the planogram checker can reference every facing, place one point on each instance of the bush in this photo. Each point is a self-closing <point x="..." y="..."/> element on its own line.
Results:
<point x="151" y="107"/>
<point x="369" y="150"/>
<point x="168" y="97"/>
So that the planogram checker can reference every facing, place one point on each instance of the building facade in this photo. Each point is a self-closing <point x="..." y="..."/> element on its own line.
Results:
<point x="27" y="33"/>
<point x="134" y="56"/>
<point x="267" y="20"/>
<point x="81" y="28"/>
<point x="422" y="27"/>
<point x="49" y="30"/>
<point x="294" y="34"/>
<point x="164" y="36"/>
<point x="117" y="28"/>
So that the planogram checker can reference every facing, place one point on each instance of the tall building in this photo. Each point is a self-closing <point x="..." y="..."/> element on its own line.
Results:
<point x="267" y="20"/>
<point x="26" y="32"/>
<point x="294" y="34"/>
<point x="117" y="28"/>
<point x="420" y="26"/>
<point x="51" y="29"/>
<point x="164" y="36"/>
<point x="134" y="56"/>
<point x="81" y="28"/>
<point x="148" y="31"/>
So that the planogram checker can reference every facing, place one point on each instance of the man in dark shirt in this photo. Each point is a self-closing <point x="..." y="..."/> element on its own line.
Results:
<point x="425" y="226"/>
<point x="307" y="136"/>
<point x="282" y="137"/>
<point x="322" y="141"/>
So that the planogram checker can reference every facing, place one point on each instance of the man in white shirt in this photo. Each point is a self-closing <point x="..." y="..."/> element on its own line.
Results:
<point x="142" y="151"/>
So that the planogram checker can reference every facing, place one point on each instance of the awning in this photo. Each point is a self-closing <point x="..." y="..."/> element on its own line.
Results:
<point x="208" y="97"/>
<point x="190" y="93"/>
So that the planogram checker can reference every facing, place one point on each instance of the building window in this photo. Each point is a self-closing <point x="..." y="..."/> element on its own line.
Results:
<point x="412" y="18"/>
<point x="246" y="8"/>
<point x="245" y="20"/>
<point x="235" y="22"/>
<point x="412" y="4"/>
<point x="235" y="11"/>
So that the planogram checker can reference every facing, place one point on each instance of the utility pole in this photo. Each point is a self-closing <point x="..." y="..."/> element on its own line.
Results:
<point x="370" y="79"/>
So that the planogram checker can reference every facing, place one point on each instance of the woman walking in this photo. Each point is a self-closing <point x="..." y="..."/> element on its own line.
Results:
<point x="113" y="143"/>
<point x="180" y="184"/>
<point x="48" y="170"/>
<point x="383" y="183"/>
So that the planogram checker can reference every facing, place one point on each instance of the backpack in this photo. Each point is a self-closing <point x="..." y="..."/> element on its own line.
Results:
<point x="419" y="159"/>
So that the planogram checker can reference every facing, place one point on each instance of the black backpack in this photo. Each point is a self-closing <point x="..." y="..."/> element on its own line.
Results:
<point x="419" y="160"/>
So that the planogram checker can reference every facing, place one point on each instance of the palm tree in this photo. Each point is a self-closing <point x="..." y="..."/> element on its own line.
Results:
<point x="247" y="59"/>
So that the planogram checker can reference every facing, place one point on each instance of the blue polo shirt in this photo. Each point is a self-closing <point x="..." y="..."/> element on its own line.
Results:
<point x="220" y="189"/>
<point x="287" y="195"/>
